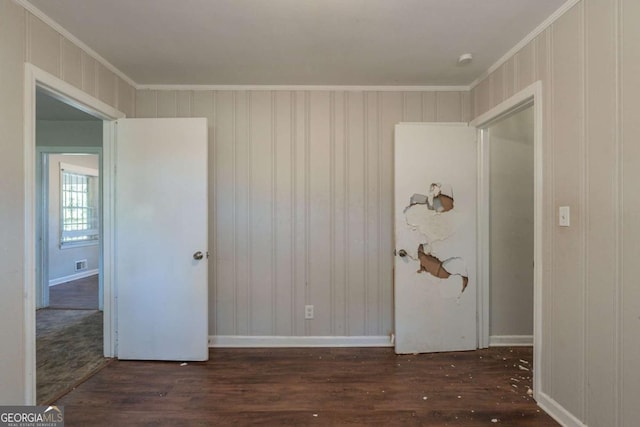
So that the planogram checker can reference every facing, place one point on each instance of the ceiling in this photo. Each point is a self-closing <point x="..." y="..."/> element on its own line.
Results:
<point x="300" y="42"/>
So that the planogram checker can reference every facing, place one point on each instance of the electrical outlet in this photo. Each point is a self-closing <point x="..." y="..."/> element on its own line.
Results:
<point x="308" y="312"/>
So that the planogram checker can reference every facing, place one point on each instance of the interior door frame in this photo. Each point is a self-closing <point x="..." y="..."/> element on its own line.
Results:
<point x="42" y="215"/>
<point x="531" y="95"/>
<point x="65" y="92"/>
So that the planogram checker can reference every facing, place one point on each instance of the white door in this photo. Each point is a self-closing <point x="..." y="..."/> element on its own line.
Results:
<point x="161" y="239"/>
<point x="435" y="237"/>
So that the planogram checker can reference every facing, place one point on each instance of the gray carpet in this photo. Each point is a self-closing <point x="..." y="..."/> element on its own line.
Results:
<point x="68" y="349"/>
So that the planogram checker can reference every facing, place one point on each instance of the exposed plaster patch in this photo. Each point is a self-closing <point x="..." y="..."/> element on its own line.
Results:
<point x="432" y="225"/>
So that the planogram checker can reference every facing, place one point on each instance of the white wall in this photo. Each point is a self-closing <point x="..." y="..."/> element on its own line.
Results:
<point x="511" y="225"/>
<point x="24" y="37"/>
<point x="62" y="261"/>
<point x="301" y="190"/>
<point x="589" y="65"/>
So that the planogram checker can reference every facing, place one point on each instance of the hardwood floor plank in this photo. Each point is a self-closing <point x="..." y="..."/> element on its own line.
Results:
<point x="313" y="386"/>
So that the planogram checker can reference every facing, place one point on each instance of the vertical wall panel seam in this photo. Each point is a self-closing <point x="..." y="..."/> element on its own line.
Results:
<point x="534" y="59"/>
<point x="116" y="87"/>
<point x="332" y="207"/>
<point x="585" y="187"/>
<point x="505" y="81"/>
<point x="551" y="317"/>
<point x="490" y="81"/>
<point x="307" y="179"/>
<point x="274" y="210"/>
<point x="27" y="35"/>
<point x="83" y="80"/>
<point x="234" y="124"/>
<point x="404" y="106"/>
<point x="346" y="212"/>
<point x="516" y="74"/>
<point x="96" y="81"/>
<point x="214" y="221"/>
<point x="175" y="103"/>
<point x="249" y="133"/>
<point x="436" y="100"/>
<point x="379" y="215"/>
<point x="294" y="210"/>
<point x="155" y="102"/>
<point x="619" y="217"/>
<point x="61" y="57"/>
<point x="365" y="223"/>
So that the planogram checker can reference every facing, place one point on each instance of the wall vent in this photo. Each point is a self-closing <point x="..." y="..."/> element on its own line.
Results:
<point x="81" y="265"/>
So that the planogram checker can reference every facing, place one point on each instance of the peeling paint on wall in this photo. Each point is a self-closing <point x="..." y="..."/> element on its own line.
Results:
<point x="453" y="266"/>
<point x="439" y="198"/>
<point x="432" y="220"/>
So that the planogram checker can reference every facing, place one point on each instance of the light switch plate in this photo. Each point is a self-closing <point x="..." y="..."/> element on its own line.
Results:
<point x="564" y="216"/>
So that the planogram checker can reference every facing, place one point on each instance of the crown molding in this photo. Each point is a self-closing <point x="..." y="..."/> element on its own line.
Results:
<point x="346" y="88"/>
<point x="382" y="88"/>
<point x="62" y="31"/>
<point x="532" y="35"/>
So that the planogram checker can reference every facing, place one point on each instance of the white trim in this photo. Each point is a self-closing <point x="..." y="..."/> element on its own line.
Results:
<point x="528" y="38"/>
<point x="557" y="412"/>
<point x="221" y="341"/>
<point x="510" y="340"/>
<point x="71" y="95"/>
<point x="72" y="277"/>
<point x="42" y="161"/>
<point x="66" y="34"/>
<point x="345" y="88"/>
<point x="483" y="238"/>
<point x="531" y="93"/>
<point x="35" y="77"/>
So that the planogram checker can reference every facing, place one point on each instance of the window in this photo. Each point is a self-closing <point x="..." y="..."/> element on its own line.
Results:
<point x="79" y="214"/>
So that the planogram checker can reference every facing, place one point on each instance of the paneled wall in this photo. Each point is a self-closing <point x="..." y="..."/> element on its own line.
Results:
<point x="25" y="37"/>
<point x="49" y="50"/>
<point x="589" y="64"/>
<point x="301" y="188"/>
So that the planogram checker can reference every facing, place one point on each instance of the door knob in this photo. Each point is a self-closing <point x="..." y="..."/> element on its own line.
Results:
<point x="402" y="253"/>
<point x="198" y="255"/>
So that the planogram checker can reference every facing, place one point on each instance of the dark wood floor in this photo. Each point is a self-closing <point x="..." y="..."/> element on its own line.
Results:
<point x="313" y="386"/>
<point x="80" y="294"/>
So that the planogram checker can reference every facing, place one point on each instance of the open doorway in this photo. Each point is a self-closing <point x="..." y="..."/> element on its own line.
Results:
<point x="521" y="205"/>
<point x="39" y="80"/>
<point x="69" y="317"/>
<point x="511" y="228"/>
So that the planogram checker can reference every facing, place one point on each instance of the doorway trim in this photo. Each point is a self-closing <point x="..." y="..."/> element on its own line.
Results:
<point x="42" y="193"/>
<point x="531" y="95"/>
<point x="65" y="92"/>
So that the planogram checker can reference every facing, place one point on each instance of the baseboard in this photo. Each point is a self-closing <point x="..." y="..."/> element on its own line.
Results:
<point x="557" y="412"/>
<point x="72" y="277"/>
<point x="510" y="340"/>
<point x="298" y="341"/>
